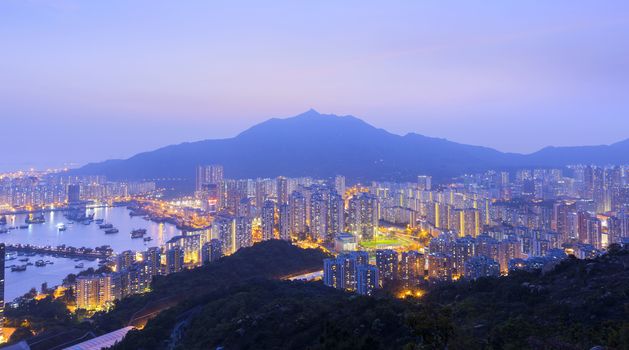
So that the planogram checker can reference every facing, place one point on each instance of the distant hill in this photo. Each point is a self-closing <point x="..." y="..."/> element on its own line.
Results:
<point x="578" y="305"/>
<point x="319" y="145"/>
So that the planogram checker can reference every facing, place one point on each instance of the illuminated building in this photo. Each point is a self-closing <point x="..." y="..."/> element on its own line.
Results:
<point x="424" y="182"/>
<point x="336" y="215"/>
<point x="95" y="292"/>
<point x="243" y="232"/>
<point x="339" y="184"/>
<point x="211" y="251"/>
<point x="134" y="280"/>
<point x="363" y="216"/>
<point x="367" y="279"/>
<point x="387" y="263"/>
<point x="267" y="216"/>
<point x="224" y="228"/>
<point x="297" y="213"/>
<point x="332" y="273"/>
<point x="411" y="269"/>
<point x="349" y="262"/>
<point x="439" y="266"/>
<point x="282" y="190"/>
<point x="174" y="259"/>
<point x="124" y="260"/>
<point x="153" y="261"/>
<point x="208" y="174"/>
<point x="481" y="266"/>
<point x="462" y="251"/>
<point x="318" y="217"/>
<point x="284" y="222"/>
<point x="345" y="242"/>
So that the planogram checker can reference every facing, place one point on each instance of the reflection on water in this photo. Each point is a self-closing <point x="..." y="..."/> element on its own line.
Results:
<point x="76" y="235"/>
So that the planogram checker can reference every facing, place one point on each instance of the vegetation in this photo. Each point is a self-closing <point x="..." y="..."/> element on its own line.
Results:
<point x="577" y="305"/>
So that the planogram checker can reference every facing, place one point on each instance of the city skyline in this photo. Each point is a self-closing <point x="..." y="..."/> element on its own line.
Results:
<point x="94" y="76"/>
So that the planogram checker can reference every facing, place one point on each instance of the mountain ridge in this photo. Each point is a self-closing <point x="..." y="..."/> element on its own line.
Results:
<point x="323" y="145"/>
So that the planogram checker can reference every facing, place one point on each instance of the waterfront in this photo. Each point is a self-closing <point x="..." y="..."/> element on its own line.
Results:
<point x="75" y="235"/>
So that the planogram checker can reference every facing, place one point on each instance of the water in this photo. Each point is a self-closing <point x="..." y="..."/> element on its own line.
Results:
<point x="76" y="235"/>
<point x="18" y="283"/>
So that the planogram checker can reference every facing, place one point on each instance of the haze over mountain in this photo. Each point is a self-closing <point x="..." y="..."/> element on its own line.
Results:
<point x="320" y="145"/>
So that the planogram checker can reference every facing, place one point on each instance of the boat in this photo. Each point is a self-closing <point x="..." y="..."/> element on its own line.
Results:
<point x="111" y="230"/>
<point x="4" y="230"/>
<point x="39" y="219"/>
<point x="79" y="266"/>
<point x="146" y="239"/>
<point x="3" y="220"/>
<point x="23" y="227"/>
<point x="99" y="221"/>
<point x="105" y="226"/>
<point x="61" y="227"/>
<point x="18" y="268"/>
<point x="23" y="259"/>
<point x="138" y="233"/>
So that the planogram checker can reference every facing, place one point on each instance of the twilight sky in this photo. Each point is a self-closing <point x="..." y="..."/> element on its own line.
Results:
<point x="90" y="80"/>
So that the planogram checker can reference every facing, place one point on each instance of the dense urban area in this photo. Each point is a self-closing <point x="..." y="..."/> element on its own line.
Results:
<point x="381" y="238"/>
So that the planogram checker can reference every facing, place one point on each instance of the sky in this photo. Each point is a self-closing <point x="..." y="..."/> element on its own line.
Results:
<point x="85" y="81"/>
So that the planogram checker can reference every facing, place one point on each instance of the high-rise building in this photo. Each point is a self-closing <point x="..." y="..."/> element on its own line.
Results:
<point x="336" y="215"/>
<point x="339" y="184"/>
<point x="208" y="174"/>
<point x="363" y="216"/>
<point x="297" y="212"/>
<point x="211" y="251"/>
<point x="387" y="263"/>
<point x="284" y="222"/>
<point x="74" y="193"/>
<point x="367" y="279"/>
<point x="124" y="260"/>
<point x="174" y="260"/>
<point x="481" y="266"/>
<point x="318" y="217"/>
<point x="224" y="228"/>
<point x="244" y="236"/>
<point x="412" y="266"/>
<point x="153" y="261"/>
<point x="267" y="216"/>
<point x="332" y="273"/>
<point x="95" y="292"/>
<point x="424" y="182"/>
<point x="282" y="190"/>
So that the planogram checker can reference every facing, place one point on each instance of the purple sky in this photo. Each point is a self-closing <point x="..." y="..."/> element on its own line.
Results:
<point x="89" y="80"/>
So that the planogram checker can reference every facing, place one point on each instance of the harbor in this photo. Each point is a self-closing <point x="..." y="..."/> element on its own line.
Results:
<point x="67" y="244"/>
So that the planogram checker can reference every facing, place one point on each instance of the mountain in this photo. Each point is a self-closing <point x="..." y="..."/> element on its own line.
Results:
<point x="320" y="145"/>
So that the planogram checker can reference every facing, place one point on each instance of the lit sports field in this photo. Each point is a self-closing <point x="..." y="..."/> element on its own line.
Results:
<point x="384" y="241"/>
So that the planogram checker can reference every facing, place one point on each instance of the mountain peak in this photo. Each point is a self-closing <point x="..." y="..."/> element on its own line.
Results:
<point x="309" y="113"/>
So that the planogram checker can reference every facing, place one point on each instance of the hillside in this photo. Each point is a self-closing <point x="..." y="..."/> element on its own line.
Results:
<point x="318" y="145"/>
<point x="51" y="320"/>
<point x="578" y="305"/>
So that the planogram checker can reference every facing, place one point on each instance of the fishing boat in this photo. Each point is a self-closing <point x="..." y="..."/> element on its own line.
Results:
<point x="23" y="227"/>
<point x="61" y="227"/>
<point x="99" y="221"/>
<point x="18" y="268"/>
<point x="32" y="219"/>
<point x="79" y="266"/>
<point x="111" y="230"/>
<point x="40" y="263"/>
<point x="147" y="239"/>
<point x="104" y="226"/>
